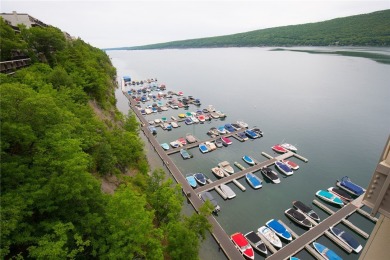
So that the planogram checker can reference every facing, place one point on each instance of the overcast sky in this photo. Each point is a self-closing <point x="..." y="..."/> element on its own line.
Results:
<point x="120" y="23"/>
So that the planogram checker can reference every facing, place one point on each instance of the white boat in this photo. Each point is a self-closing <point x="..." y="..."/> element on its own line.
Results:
<point x="228" y="191"/>
<point x="270" y="236"/>
<point x="211" y="108"/>
<point x="289" y="147"/>
<point x="174" y="144"/>
<point x="242" y="124"/>
<point x="174" y="124"/>
<point x="157" y="121"/>
<point x="194" y="119"/>
<point x="219" y="172"/>
<point x="211" y="146"/>
<point x="225" y="165"/>
<point x="220" y="114"/>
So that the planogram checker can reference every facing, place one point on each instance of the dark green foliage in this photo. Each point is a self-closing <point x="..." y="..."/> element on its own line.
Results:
<point x="9" y="41"/>
<point x="360" y="30"/>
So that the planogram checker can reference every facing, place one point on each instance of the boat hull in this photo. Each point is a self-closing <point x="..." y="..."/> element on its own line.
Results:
<point x="279" y="229"/>
<point x="329" y="197"/>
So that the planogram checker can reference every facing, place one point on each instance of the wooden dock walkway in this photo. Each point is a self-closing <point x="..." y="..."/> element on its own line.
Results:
<point x="219" y="234"/>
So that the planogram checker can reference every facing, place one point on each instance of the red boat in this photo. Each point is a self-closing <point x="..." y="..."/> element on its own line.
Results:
<point x="279" y="149"/>
<point x="243" y="245"/>
<point x="226" y="140"/>
<point x="291" y="164"/>
<point x="201" y="118"/>
<point x="182" y="140"/>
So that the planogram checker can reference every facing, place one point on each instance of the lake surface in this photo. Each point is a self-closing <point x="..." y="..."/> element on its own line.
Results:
<point x="335" y="109"/>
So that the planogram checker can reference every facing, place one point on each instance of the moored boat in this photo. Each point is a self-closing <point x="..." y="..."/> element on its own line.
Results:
<point x="208" y="196"/>
<point x="191" y="180"/>
<point x="306" y="209"/>
<point x="213" y="131"/>
<point x="284" y="168"/>
<point x="253" y="180"/>
<point x="174" y="125"/>
<point x="270" y="236"/>
<point x="225" y="165"/>
<point x="211" y="146"/>
<point x="230" y="194"/>
<point x="229" y="128"/>
<point x="219" y="172"/>
<point x="347" y="238"/>
<point x="235" y="126"/>
<point x="279" y="229"/>
<point x="218" y="143"/>
<point x="182" y="141"/>
<point x="190" y="138"/>
<point x="326" y="252"/>
<point x="185" y="154"/>
<point x="291" y="164"/>
<point x="242" y="124"/>
<point x="279" y="149"/>
<point x="349" y="186"/>
<point x="226" y="140"/>
<point x="165" y="146"/>
<point x="289" y="147"/>
<point x="200" y="178"/>
<point x="242" y="136"/>
<point x="152" y="129"/>
<point x="242" y="245"/>
<point x="256" y="242"/>
<point x="221" y="130"/>
<point x="342" y="194"/>
<point x="251" y="134"/>
<point x="270" y="174"/>
<point x="174" y="144"/>
<point x="248" y="160"/>
<point x="329" y="197"/>
<point x="188" y="121"/>
<point x="298" y="217"/>
<point x="201" y="118"/>
<point x="258" y="131"/>
<point x="203" y="148"/>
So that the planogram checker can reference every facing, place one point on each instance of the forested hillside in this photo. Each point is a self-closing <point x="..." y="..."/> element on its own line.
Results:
<point x="55" y="150"/>
<point x="371" y="29"/>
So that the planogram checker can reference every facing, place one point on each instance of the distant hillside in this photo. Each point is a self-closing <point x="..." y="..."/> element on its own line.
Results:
<point x="371" y="29"/>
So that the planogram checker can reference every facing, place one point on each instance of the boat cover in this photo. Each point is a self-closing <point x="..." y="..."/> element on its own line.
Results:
<point x="346" y="182"/>
<point x="253" y="237"/>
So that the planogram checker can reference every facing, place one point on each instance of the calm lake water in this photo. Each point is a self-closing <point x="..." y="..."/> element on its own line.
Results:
<point x="335" y="109"/>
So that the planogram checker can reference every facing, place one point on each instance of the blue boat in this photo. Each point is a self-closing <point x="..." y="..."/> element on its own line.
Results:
<point x="165" y="146"/>
<point x="152" y="129"/>
<point x="294" y="258"/>
<point x="200" y="177"/>
<point x="242" y="136"/>
<point x="221" y="130"/>
<point x="230" y="128"/>
<point x="251" y="134"/>
<point x="284" y="168"/>
<point x="248" y="160"/>
<point x="279" y="229"/>
<point x="191" y="180"/>
<point x="253" y="180"/>
<point x="326" y="252"/>
<point x="349" y="186"/>
<point x="185" y="154"/>
<point x="203" y="148"/>
<point x="188" y="121"/>
<point x="329" y="197"/>
<point x="347" y="239"/>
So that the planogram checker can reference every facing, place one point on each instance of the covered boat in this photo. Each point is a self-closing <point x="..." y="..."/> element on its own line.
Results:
<point x="229" y="128"/>
<point x="289" y="147"/>
<point x="270" y="236"/>
<point x="191" y="180"/>
<point x="270" y="174"/>
<point x="242" y="245"/>
<point x="219" y="172"/>
<point x="279" y="229"/>
<point x="326" y="252"/>
<point x="298" y="217"/>
<point x="284" y="168"/>
<point x="221" y="130"/>
<point x="165" y="146"/>
<point x="253" y="180"/>
<point x="185" y="154"/>
<point x="208" y="196"/>
<point x="258" y="131"/>
<point x="225" y="165"/>
<point x="174" y="124"/>
<point x="349" y="186"/>
<point x="203" y="148"/>
<point x="256" y="242"/>
<point x="342" y="194"/>
<point x="190" y="138"/>
<point x="200" y="177"/>
<point x="248" y="160"/>
<point x="218" y="143"/>
<point x="230" y="194"/>
<point x="251" y="134"/>
<point x="329" y="197"/>
<point x="182" y="141"/>
<point x="226" y="140"/>
<point x="306" y="209"/>
<point x="279" y="149"/>
<point x="347" y="238"/>
<point x="211" y="146"/>
<point x="291" y="164"/>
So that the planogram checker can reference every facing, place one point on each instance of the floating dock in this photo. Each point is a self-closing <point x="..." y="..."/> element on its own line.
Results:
<point x="239" y="185"/>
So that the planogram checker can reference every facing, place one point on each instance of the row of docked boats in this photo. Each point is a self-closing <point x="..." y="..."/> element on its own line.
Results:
<point x="284" y="148"/>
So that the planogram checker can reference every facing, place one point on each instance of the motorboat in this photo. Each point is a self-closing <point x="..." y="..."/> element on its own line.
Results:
<point x="182" y="141"/>
<point x="306" y="209"/>
<point x="270" y="236"/>
<point x="220" y="114"/>
<point x="167" y="126"/>
<point x="242" y="136"/>
<point x="191" y="180"/>
<point x="208" y="196"/>
<point x="256" y="242"/>
<point x="188" y="121"/>
<point x="236" y="126"/>
<point x="326" y="252"/>
<point x="185" y="154"/>
<point x="342" y="194"/>
<point x="248" y="160"/>
<point x="151" y="122"/>
<point x="349" y="186"/>
<point x="284" y="168"/>
<point x="219" y="172"/>
<point x="210" y="108"/>
<point x="174" y="144"/>
<point x="182" y="115"/>
<point x="291" y="164"/>
<point x="253" y="180"/>
<point x="165" y="146"/>
<point x="226" y="140"/>
<point x="229" y="128"/>
<point x="242" y="245"/>
<point x="279" y="149"/>
<point x="213" y="131"/>
<point x="298" y="217"/>
<point x="347" y="238"/>
<point x="270" y="174"/>
<point x="218" y="143"/>
<point x="157" y="121"/>
<point x="203" y="148"/>
<point x="211" y="146"/>
<point x="214" y="115"/>
<point x="190" y="138"/>
<point x="201" y="118"/>
<point x="279" y="229"/>
<point x="258" y="131"/>
<point x="194" y="119"/>
<point x="230" y="194"/>
<point x="289" y="147"/>
<point x="329" y="197"/>
<point x="221" y="130"/>
<point x="152" y="129"/>
<point x="294" y="258"/>
<point x="225" y="165"/>
<point x="200" y="178"/>
<point x="174" y="124"/>
<point x="251" y="134"/>
<point x="242" y="124"/>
